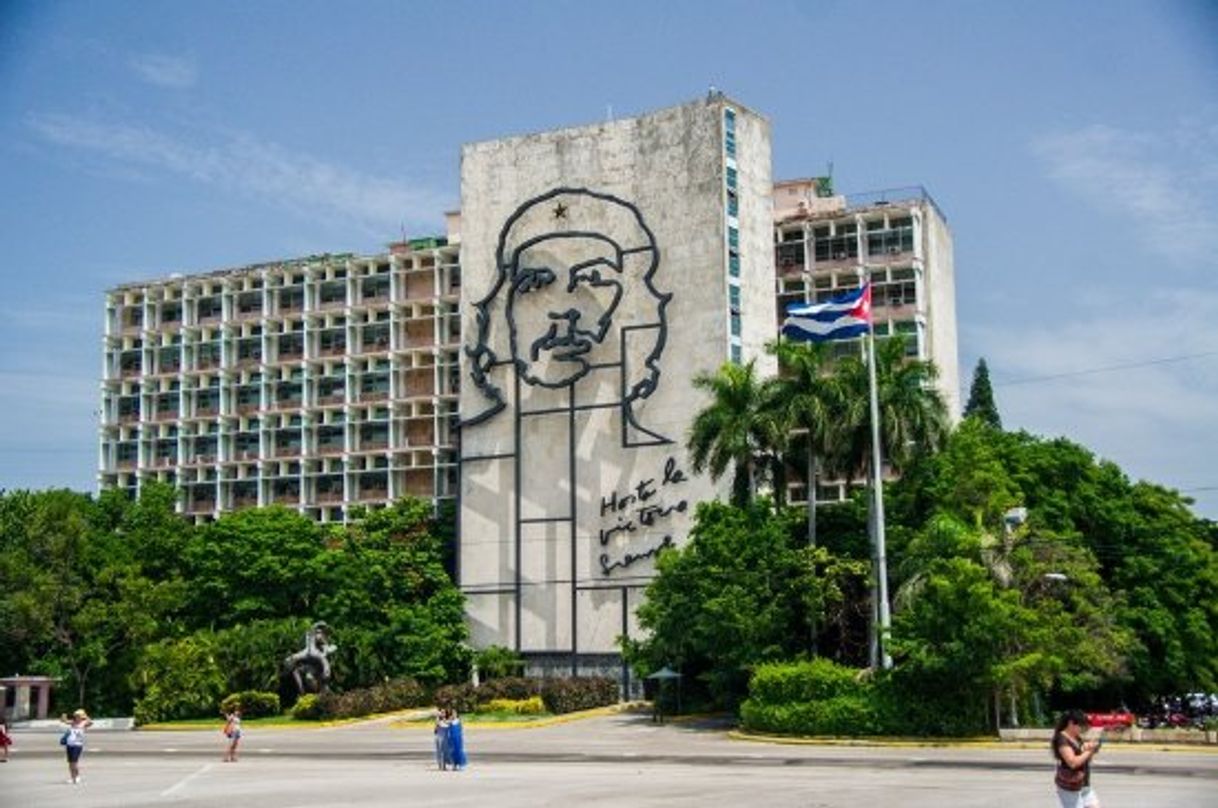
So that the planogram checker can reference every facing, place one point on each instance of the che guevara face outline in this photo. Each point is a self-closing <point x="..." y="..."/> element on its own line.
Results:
<point x="565" y="263"/>
<point x="559" y="311"/>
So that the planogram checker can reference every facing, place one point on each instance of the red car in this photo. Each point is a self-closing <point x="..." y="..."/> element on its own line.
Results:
<point x="1116" y="719"/>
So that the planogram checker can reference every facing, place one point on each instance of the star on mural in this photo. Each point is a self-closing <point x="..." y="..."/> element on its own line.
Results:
<point x="560" y="211"/>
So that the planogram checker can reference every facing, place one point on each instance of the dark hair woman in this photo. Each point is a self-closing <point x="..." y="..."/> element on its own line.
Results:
<point x="1073" y="754"/>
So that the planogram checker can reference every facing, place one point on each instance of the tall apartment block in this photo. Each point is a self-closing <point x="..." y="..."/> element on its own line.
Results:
<point x="332" y="381"/>
<point x="319" y="383"/>
<point x="826" y="244"/>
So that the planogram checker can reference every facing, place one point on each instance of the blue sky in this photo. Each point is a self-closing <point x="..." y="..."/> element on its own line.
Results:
<point x="1073" y="147"/>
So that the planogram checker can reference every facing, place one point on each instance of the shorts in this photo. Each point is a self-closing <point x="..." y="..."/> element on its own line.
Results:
<point x="74" y="753"/>
<point x="1086" y="798"/>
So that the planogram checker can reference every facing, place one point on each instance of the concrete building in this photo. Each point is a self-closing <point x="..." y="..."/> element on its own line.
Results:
<point x="591" y="274"/>
<point x="605" y="267"/>
<point x="898" y="239"/>
<point x="317" y="383"/>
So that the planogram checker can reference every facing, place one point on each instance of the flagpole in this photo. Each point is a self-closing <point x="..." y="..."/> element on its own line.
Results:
<point x="877" y="521"/>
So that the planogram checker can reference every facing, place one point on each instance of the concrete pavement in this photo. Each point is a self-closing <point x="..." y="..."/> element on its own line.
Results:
<point x="619" y="759"/>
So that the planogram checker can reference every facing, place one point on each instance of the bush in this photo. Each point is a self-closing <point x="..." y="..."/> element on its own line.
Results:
<point x="840" y="715"/>
<point x="395" y="694"/>
<point x="177" y="679"/>
<point x="529" y="706"/>
<point x="462" y="698"/>
<point x="253" y="703"/>
<point x="307" y="708"/>
<point x="516" y="688"/>
<point x="816" y="697"/>
<point x="817" y="679"/>
<point x="578" y="693"/>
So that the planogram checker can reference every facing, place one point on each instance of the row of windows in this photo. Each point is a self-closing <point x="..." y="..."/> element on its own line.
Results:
<point x="733" y="234"/>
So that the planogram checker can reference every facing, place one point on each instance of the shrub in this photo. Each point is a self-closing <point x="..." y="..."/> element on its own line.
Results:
<point x="395" y="694"/>
<point x="814" y="680"/>
<point x="840" y="715"/>
<point x="177" y="679"/>
<point x="253" y="703"/>
<point x="529" y="706"/>
<point x="578" y="693"/>
<point x="307" y="708"/>
<point x="462" y="698"/>
<point x="512" y="687"/>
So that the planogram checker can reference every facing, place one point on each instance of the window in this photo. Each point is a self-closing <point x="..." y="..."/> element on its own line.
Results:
<point x="735" y="321"/>
<point x="737" y="357"/>
<point x="733" y="265"/>
<point x="731" y="178"/>
<point x="733" y="298"/>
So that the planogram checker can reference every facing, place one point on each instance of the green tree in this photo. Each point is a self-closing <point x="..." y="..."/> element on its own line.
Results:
<point x="740" y="428"/>
<point x="809" y="399"/>
<point x="390" y="600"/>
<point x="981" y="398"/>
<point x="724" y="602"/>
<point x="913" y="418"/>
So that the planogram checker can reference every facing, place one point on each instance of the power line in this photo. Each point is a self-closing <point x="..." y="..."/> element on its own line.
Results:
<point x="1107" y="369"/>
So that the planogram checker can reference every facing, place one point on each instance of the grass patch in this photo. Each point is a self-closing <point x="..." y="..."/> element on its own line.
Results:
<point x="246" y="723"/>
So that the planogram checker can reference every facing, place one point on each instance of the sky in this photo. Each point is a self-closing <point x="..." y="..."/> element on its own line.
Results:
<point x="1072" y="146"/>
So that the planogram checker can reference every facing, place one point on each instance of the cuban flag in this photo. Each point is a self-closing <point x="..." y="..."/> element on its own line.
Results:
<point x="842" y="317"/>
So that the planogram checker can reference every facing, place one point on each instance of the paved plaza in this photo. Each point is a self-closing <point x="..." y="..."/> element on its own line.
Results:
<point x="607" y="761"/>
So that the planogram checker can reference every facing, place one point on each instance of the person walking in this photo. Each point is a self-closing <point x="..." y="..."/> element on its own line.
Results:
<point x="5" y="739"/>
<point x="456" y="740"/>
<point x="1074" y="755"/>
<point x="232" y="731"/>
<point x="73" y="740"/>
<point x="442" y="739"/>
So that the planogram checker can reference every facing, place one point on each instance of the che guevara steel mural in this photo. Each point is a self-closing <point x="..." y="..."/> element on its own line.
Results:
<point x="575" y="288"/>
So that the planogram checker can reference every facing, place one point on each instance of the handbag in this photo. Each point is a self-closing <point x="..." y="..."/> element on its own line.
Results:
<point x="63" y="739"/>
<point x="1069" y="779"/>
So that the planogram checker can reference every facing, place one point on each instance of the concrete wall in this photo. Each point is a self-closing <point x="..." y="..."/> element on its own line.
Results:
<point x="941" y="305"/>
<point x="564" y="490"/>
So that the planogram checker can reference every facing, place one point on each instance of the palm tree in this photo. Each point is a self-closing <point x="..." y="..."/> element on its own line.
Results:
<point x="913" y="417"/>
<point x="809" y="398"/>
<point x="738" y="428"/>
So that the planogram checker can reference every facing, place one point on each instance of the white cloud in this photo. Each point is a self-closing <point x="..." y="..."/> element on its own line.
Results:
<point x="173" y="72"/>
<point x="1166" y="184"/>
<point x="302" y="183"/>
<point x="1158" y="421"/>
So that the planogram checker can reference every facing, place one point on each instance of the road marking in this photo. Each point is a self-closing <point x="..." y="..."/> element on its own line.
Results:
<point x="173" y="789"/>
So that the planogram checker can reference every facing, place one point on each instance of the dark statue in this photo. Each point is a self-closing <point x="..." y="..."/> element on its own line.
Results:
<point x="309" y="667"/>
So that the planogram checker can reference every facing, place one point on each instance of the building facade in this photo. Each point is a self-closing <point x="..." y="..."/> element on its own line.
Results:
<point x="605" y="267"/>
<point x="536" y="364"/>
<point x="319" y="383"/>
<point x="898" y="240"/>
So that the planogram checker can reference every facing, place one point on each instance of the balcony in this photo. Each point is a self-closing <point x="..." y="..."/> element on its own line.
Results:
<point x="331" y="398"/>
<point x="245" y="502"/>
<point x="286" y="451"/>
<point x="330" y="449"/>
<point x="329" y="497"/>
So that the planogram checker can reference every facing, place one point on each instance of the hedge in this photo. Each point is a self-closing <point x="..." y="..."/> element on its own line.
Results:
<point x="253" y="703"/>
<point x="779" y="683"/>
<point x="578" y="693"/>
<point x="529" y="706"/>
<point x="395" y="694"/>
<point x="516" y="688"/>
<point x="820" y="697"/>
